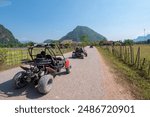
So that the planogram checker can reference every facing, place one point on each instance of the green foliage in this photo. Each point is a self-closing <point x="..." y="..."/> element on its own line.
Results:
<point x="2" y="55"/>
<point x="51" y="41"/>
<point x="101" y="42"/>
<point x="128" y="42"/>
<point x="30" y="43"/>
<point x="11" y="57"/>
<point x="84" y="38"/>
<point x="6" y="38"/>
<point x="145" y="49"/>
<point x="140" y="86"/>
<point x="79" y="31"/>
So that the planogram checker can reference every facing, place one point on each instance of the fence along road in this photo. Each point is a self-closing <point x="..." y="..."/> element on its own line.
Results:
<point x="90" y="78"/>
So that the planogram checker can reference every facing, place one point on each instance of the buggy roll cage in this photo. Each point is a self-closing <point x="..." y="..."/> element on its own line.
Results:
<point x="47" y="47"/>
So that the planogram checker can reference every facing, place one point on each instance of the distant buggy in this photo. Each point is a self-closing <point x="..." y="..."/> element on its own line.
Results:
<point x="42" y="68"/>
<point x="79" y="52"/>
<point x="91" y="46"/>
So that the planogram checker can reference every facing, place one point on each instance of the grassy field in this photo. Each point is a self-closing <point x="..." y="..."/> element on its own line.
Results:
<point x="11" y="57"/>
<point x="136" y="58"/>
<point x="140" y="87"/>
<point x="145" y="51"/>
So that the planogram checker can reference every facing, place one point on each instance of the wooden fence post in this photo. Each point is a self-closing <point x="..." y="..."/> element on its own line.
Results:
<point x="128" y="55"/>
<point x="138" y="58"/>
<point x="137" y="55"/>
<point x="125" y="54"/>
<point x="132" y="55"/>
<point x="143" y="63"/>
<point x="149" y="70"/>
<point x="120" y="51"/>
<point x="113" y="50"/>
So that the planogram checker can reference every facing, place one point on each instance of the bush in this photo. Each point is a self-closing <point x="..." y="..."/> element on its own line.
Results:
<point x="128" y="42"/>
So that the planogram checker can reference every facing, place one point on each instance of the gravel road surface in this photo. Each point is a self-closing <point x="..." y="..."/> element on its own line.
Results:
<point x="90" y="78"/>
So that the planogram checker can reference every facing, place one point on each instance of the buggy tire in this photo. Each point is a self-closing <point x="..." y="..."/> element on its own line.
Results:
<point x="86" y="55"/>
<point x="59" y="70"/>
<point x="73" y="55"/>
<point x="68" y="70"/>
<point x="82" y="56"/>
<point x="20" y="80"/>
<point x="45" y="84"/>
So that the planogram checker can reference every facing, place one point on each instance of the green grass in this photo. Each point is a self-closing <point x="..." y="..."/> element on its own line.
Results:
<point x="143" y="65"/>
<point x="140" y="87"/>
<point x="13" y="56"/>
<point x="145" y="51"/>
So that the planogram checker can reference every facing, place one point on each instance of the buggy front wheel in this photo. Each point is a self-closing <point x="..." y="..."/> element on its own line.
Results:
<point x="20" y="79"/>
<point x="45" y="84"/>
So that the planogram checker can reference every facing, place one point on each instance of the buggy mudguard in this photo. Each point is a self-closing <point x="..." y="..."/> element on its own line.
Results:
<point x="24" y="68"/>
<point x="67" y="63"/>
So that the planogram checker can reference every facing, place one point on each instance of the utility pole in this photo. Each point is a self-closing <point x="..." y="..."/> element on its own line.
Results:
<point x="144" y="34"/>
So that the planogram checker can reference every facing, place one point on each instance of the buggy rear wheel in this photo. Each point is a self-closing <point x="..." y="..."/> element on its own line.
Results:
<point x="68" y="70"/>
<point x="20" y="79"/>
<point x="86" y="55"/>
<point x="73" y="55"/>
<point x="45" y="84"/>
<point x="82" y="56"/>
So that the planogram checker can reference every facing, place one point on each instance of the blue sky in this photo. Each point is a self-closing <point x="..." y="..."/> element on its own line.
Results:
<point x="38" y="20"/>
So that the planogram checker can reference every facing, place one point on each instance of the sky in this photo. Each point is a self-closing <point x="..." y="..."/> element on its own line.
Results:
<point x="38" y="20"/>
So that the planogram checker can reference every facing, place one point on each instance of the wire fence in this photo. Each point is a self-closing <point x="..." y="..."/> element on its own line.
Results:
<point x="132" y="57"/>
<point x="10" y="57"/>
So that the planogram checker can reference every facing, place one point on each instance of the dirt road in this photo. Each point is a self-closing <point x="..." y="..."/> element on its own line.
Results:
<point x="90" y="78"/>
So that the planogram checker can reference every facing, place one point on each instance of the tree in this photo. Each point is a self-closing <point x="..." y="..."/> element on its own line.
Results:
<point x="128" y="42"/>
<point x="30" y="43"/>
<point x="85" y="40"/>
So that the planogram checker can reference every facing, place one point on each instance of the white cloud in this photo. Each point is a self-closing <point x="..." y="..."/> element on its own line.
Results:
<point x="4" y="3"/>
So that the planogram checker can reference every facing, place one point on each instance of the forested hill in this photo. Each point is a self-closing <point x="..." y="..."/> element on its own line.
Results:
<point x="6" y="37"/>
<point x="80" y="31"/>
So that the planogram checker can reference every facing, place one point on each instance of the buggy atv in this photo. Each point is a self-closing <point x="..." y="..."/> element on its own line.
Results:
<point x="79" y="52"/>
<point x="91" y="46"/>
<point x="42" y="68"/>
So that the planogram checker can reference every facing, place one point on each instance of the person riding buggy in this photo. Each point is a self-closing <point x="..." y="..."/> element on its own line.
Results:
<point x="42" y="68"/>
<point x="79" y="52"/>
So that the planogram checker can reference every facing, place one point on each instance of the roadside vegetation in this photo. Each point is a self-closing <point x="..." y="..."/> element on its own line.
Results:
<point x="140" y="86"/>
<point x="12" y="57"/>
<point x="145" y="50"/>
